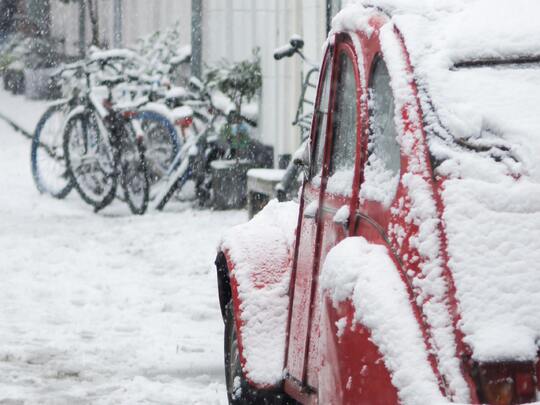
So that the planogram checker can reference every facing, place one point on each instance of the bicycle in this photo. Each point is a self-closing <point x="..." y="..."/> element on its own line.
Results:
<point x="304" y="115"/>
<point x="102" y="143"/>
<point x="202" y="146"/>
<point x="46" y="155"/>
<point x="199" y="148"/>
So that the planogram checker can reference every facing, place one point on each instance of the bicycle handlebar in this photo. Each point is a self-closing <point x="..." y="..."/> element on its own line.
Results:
<point x="284" y="52"/>
<point x="295" y="44"/>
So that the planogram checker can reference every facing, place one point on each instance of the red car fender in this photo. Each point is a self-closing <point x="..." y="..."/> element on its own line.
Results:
<point x="253" y="268"/>
<point x="352" y="370"/>
<point x="370" y="333"/>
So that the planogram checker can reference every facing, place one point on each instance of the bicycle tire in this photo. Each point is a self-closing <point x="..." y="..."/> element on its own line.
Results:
<point x="161" y="141"/>
<point x="168" y="195"/>
<point x="102" y="199"/>
<point x="175" y="183"/>
<point x="44" y="173"/>
<point x="135" y="182"/>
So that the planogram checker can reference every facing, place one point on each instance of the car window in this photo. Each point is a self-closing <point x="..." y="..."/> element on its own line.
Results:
<point x="322" y="118"/>
<point x="345" y="122"/>
<point x="382" y="169"/>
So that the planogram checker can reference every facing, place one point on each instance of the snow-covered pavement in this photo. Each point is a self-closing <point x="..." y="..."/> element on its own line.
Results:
<point x="107" y="308"/>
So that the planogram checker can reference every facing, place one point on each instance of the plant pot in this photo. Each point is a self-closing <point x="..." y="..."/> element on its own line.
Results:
<point x="39" y="85"/>
<point x="14" y="81"/>
<point x="229" y="183"/>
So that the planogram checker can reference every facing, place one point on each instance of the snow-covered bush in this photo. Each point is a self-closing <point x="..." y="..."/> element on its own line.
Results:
<point x="28" y="52"/>
<point x="240" y="81"/>
<point x="165" y="54"/>
<point x="233" y="86"/>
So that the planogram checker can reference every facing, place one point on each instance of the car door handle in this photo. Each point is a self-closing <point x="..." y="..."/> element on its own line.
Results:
<point x="341" y="217"/>
<point x="343" y="222"/>
<point x="311" y="210"/>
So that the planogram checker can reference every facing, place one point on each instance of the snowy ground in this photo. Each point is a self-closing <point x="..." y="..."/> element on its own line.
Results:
<point x="108" y="308"/>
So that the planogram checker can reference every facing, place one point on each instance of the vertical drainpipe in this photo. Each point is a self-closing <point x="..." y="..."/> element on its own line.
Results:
<point x="117" y="24"/>
<point x="39" y="13"/>
<point x="328" y="15"/>
<point x="82" y="28"/>
<point x="196" y="38"/>
<point x="332" y="7"/>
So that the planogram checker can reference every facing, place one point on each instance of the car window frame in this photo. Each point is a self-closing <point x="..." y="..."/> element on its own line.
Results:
<point x="377" y="57"/>
<point x="318" y="130"/>
<point x="345" y="45"/>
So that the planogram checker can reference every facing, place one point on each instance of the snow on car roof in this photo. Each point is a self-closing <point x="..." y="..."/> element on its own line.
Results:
<point x="476" y="66"/>
<point x="461" y="51"/>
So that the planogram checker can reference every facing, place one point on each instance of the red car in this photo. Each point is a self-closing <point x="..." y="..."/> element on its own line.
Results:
<point x="409" y="271"/>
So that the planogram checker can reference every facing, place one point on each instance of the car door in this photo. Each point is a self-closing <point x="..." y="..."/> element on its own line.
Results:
<point x="340" y="180"/>
<point x="307" y="240"/>
<point x="337" y="158"/>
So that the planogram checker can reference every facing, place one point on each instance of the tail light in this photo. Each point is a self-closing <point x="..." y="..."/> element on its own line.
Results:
<point x="538" y="372"/>
<point x="505" y="383"/>
<point x="184" y="122"/>
<point x="129" y="114"/>
<point x="525" y="385"/>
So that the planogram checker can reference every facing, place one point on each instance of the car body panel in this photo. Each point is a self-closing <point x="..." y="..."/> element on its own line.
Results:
<point x="259" y="256"/>
<point x="327" y="345"/>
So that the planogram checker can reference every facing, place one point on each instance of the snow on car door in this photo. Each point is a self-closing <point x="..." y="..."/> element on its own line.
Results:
<point x="337" y="158"/>
<point x="308" y="235"/>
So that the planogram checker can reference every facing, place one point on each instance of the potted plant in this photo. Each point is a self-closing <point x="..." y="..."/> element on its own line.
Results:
<point x="41" y="59"/>
<point x="12" y="54"/>
<point x="240" y="83"/>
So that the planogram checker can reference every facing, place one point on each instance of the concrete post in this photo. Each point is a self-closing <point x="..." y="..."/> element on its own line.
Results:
<point x="196" y="38"/>
<point x="39" y="13"/>
<point x="332" y="8"/>
<point x="82" y="28"/>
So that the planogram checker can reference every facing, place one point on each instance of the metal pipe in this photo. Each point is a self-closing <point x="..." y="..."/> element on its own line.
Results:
<point x="82" y="28"/>
<point x="196" y="37"/>
<point x="117" y="24"/>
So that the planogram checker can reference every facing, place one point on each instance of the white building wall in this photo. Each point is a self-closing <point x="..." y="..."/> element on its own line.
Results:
<point x="232" y="28"/>
<point x="140" y="18"/>
<point x="64" y="24"/>
<point x="143" y="17"/>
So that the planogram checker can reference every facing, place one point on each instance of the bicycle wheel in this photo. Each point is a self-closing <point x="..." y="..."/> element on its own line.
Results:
<point x="49" y="169"/>
<point x="161" y="143"/>
<point x="135" y="181"/>
<point x="91" y="160"/>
